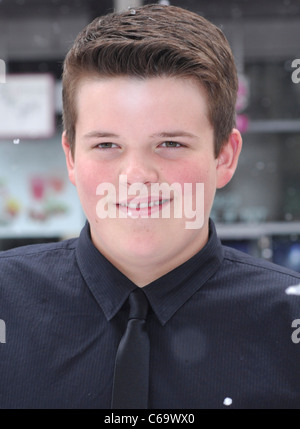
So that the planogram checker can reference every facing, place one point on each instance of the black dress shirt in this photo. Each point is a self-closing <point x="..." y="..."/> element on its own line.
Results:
<point x="220" y="328"/>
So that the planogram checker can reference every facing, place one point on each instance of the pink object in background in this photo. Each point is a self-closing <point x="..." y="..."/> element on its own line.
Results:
<point x="37" y="184"/>
<point x="56" y="183"/>
<point x="243" y="94"/>
<point x="242" y="123"/>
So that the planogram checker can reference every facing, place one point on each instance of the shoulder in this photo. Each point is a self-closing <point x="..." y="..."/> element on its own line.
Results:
<point x="240" y="262"/>
<point x="36" y="249"/>
<point x="36" y="255"/>
<point x="256" y="290"/>
<point x="29" y="272"/>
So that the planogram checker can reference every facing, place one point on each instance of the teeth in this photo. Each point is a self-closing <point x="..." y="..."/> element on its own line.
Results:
<point x="143" y="205"/>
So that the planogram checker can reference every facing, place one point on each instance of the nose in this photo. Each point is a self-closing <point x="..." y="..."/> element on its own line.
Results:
<point x="139" y="168"/>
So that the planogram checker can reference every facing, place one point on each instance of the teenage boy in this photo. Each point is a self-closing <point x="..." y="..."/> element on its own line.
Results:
<point x="149" y="129"/>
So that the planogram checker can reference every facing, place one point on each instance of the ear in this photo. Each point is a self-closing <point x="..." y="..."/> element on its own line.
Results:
<point x="69" y="158"/>
<point x="228" y="158"/>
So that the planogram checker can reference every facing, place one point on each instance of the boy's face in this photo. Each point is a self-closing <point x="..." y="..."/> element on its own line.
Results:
<point x="132" y="134"/>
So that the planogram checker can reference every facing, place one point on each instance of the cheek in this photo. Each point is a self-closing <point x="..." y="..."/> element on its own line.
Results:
<point x="89" y="175"/>
<point x="197" y="172"/>
<point x="189" y="173"/>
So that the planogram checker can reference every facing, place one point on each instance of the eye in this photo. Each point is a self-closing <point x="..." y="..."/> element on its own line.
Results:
<point x="106" y="145"/>
<point x="171" y="144"/>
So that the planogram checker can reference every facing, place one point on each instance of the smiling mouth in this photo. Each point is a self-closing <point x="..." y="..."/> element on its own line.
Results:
<point x="143" y="205"/>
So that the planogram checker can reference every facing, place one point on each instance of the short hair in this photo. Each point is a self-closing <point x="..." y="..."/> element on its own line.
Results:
<point x="155" y="41"/>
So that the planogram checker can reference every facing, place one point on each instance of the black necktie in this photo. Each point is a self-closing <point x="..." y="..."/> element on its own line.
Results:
<point x="131" y="378"/>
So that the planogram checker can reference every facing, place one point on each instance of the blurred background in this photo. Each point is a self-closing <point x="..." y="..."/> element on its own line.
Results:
<point x="258" y="212"/>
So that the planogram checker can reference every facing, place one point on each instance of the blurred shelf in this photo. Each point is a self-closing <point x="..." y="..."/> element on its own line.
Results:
<point x="274" y="126"/>
<point x="240" y="231"/>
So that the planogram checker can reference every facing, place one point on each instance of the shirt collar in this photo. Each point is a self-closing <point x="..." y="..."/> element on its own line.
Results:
<point x="166" y="295"/>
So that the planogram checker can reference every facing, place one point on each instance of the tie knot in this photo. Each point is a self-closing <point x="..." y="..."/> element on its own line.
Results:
<point x="138" y="305"/>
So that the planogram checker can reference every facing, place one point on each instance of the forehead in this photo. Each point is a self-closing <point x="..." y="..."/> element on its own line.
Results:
<point x="123" y="88"/>
<point x="139" y="109"/>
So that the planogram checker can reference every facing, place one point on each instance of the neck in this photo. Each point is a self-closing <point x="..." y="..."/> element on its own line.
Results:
<point x="143" y="271"/>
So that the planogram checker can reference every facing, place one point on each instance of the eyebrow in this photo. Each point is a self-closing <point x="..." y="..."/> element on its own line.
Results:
<point x="98" y="134"/>
<point x="173" y="134"/>
<point x="168" y="134"/>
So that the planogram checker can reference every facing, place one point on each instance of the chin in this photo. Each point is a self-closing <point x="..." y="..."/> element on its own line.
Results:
<point x="143" y="247"/>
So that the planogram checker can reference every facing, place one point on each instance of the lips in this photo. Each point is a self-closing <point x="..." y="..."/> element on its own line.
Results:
<point x="143" y="205"/>
<point x="144" y="208"/>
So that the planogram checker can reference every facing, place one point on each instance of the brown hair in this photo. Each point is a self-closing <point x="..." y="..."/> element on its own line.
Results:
<point x="155" y="40"/>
